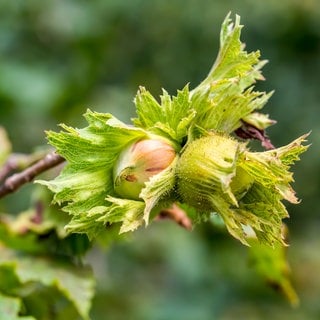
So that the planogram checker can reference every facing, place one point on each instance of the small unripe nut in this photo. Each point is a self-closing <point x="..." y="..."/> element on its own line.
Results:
<point x="207" y="168"/>
<point x="137" y="163"/>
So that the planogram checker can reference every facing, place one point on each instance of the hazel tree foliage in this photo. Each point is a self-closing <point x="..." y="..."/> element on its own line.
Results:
<point x="194" y="156"/>
<point x="186" y="156"/>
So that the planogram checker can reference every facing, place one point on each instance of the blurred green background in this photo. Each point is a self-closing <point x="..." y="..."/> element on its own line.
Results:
<point x="58" y="58"/>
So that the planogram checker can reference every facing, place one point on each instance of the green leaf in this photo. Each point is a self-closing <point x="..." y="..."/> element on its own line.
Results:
<point x="129" y="212"/>
<point x="262" y="218"/>
<point x="226" y="96"/>
<point x="157" y="188"/>
<point x="10" y="308"/>
<point x="149" y="111"/>
<point x="230" y="107"/>
<point x="26" y="242"/>
<point x="271" y="264"/>
<point x="171" y="118"/>
<point x="75" y="283"/>
<point x="232" y="60"/>
<point x="9" y="282"/>
<point x="258" y="120"/>
<point x="271" y="168"/>
<point x="260" y="211"/>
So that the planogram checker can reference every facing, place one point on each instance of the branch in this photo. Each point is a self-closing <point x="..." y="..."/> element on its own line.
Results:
<point x="14" y="182"/>
<point x="19" y="162"/>
<point x="176" y="214"/>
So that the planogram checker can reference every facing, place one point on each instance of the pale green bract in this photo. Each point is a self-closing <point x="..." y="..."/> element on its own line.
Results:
<point x="221" y="103"/>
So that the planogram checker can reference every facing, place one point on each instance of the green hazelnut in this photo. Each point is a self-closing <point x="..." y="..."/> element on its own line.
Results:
<point x="208" y="167"/>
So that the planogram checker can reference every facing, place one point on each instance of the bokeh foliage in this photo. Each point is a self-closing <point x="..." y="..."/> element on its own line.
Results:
<point x="60" y="57"/>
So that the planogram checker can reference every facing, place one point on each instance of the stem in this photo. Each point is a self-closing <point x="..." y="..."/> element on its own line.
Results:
<point x="19" y="162"/>
<point x="178" y="215"/>
<point x="14" y="182"/>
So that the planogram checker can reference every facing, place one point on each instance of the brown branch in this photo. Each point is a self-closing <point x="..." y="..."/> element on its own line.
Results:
<point x="14" y="182"/>
<point x="19" y="162"/>
<point x="7" y="168"/>
<point x="176" y="214"/>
